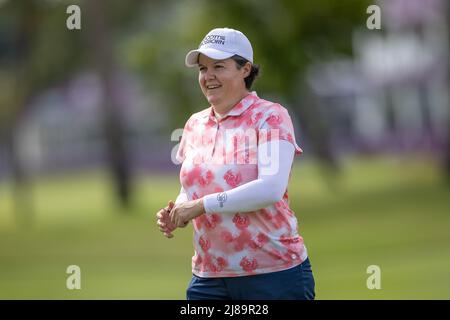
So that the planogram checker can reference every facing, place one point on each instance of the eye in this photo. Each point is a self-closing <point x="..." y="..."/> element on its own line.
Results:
<point x="201" y="69"/>
<point x="218" y="66"/>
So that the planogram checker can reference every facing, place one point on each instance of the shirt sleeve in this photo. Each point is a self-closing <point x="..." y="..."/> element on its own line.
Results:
<point x="277" y="125"/>
<point x="269" y="188"/>
<point x="181" y="152"/>
<point x="182" y="197"/>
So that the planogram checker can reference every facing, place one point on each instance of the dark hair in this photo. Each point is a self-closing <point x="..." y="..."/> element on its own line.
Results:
<point x="240" y="62"/>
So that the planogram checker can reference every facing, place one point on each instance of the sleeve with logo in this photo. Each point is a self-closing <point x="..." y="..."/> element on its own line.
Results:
<point x="259" y="193"/>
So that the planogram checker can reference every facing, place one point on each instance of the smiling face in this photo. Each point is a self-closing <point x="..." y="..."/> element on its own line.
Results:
<point x="222" y="82"/>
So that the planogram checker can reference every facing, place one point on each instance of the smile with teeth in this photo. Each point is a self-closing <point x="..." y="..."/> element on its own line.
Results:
<point x="212" y="87"/>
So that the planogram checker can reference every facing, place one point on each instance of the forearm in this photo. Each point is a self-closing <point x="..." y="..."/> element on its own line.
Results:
<point x="251" y="196"/>
<point x="256" y="194"/>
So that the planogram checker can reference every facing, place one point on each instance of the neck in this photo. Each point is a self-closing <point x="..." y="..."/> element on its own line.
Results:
<point x="222" y="110"/>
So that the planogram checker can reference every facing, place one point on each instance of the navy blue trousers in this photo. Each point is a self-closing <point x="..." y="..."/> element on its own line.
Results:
<point x="293" y="284"/>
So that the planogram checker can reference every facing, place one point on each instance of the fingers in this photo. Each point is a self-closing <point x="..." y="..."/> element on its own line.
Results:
<point x="165" y="210"/>
<point x="167" y="232"/>
<point x="161" y="213"/>
<point x="163" y="221"/>
<point x="163" y="226"/>
<point x="168" y="220"/>
<point x="168" y="235"/>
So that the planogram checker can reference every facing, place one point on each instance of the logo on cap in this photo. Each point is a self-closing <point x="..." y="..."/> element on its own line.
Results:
<point x="213" y="38"/>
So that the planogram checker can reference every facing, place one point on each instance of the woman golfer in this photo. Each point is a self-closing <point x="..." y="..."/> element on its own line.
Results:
<point x="236" y="160"/>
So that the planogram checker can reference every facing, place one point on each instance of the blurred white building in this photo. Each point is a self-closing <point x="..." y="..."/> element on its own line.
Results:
<point x="393" y="95"/>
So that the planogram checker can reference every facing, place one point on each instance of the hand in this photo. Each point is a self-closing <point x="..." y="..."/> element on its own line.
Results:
<point x="184" y="212"/>
<point x="163" y="220"/>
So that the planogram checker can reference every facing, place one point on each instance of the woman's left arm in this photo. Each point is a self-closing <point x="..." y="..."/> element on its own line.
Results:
<point x="269" y="188"/>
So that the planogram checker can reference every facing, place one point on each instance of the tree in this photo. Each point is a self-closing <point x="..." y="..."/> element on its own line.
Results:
<point x="447" y="156"/>
<point x="39" y="52"/>
<point x="99" y="39"/>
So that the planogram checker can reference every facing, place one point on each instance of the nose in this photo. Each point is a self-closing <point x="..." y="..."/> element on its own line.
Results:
<point x="210" y="75"/>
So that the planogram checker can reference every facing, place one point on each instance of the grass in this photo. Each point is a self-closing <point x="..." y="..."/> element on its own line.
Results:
<point x="378" y="211"/>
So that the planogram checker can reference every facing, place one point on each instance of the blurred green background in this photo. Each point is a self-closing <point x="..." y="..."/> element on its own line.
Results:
<point x="86" y="119"/>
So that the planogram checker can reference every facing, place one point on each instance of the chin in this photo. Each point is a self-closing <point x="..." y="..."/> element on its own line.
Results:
<point x="212" y="100"/>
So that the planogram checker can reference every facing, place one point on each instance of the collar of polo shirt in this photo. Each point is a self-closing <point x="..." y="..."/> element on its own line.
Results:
<point x="239" y="108"/>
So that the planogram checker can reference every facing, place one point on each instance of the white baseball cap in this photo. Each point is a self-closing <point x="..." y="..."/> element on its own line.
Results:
<point x="221" y="43"/>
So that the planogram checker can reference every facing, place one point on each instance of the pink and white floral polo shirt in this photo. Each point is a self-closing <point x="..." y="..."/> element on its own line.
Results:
<point x="240" y="243"/>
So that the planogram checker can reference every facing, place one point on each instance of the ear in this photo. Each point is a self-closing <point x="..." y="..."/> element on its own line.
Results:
<point x="247" y="69"/>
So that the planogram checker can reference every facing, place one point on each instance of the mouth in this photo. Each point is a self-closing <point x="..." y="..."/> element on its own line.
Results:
<point x="213" y="86"/>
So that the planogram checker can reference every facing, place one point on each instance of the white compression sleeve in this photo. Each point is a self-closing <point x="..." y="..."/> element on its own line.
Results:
<point x="182" y="197"/>
<point x="259" y="193"/>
